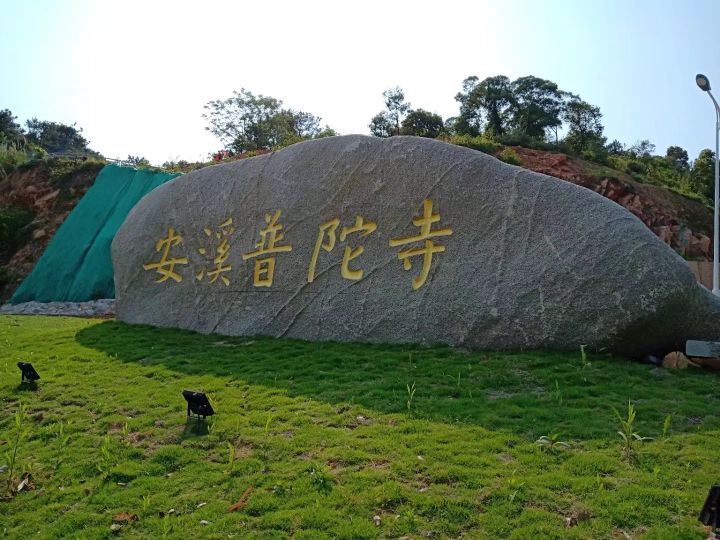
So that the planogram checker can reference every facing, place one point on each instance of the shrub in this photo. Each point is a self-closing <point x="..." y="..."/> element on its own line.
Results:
<point x="510" y="156"/>
<point x="61" y="170"/>
<point x="635" y="167"/>
<point x="518" y="138"/>
<point x="14" y="228"/>
<point x="479" y="142"/>
<point x="15" y="154"/>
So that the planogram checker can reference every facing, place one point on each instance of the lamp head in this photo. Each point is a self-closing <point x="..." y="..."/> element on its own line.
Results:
<point x="703" y="82"/>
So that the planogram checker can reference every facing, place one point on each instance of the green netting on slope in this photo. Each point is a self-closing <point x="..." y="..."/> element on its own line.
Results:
<point x="76" y="266"/>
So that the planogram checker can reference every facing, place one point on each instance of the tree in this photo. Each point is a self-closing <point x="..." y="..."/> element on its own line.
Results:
<point x="536" y="106"/>
<point x="450" y="125"/>
<point x="396" y="106"/>
<point x="677" y="158"/>
<point x="702" y="175"/>
<point x="55" y="137"/>
<point x="422" y="123"/>
<point x="642" y="149"/>
<point x="246" y="122"/>
<point x="138" y="161"/>
<point x="486" y="104"/>
<point x="615" y="148"/>
<point x="584" y="125"/>
<point x="381" y="125"/>
<point x="9" y="129"/>
<point x="387" y="123"/>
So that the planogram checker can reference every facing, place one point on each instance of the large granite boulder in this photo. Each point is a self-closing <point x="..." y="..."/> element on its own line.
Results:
<point x="402" y="240"/>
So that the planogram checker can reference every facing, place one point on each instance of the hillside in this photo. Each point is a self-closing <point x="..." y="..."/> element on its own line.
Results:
<point x="36" y="199"/>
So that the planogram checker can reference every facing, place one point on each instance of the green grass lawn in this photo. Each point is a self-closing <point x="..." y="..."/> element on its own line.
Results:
<point x="333" y="445"/>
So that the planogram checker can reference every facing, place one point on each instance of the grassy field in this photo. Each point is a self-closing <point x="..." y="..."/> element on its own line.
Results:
<point x="343" y="440"/>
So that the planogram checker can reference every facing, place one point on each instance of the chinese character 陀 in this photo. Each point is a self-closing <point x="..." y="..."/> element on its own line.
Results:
<point x="328" y="229"/>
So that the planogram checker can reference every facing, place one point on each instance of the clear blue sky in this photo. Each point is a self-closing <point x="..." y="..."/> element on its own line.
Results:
<point x="136" y="74"/>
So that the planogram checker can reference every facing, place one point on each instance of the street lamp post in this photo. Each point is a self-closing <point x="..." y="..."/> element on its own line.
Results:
<point x="704" y="84"/>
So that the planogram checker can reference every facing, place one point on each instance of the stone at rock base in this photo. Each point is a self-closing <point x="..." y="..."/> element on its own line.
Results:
<point x="710" y="363"/>
<point x="675" y="360"/>
<point x="463" y="250"/>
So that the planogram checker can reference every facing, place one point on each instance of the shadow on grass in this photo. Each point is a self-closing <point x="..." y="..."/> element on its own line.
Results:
<point x="195" y="427"/>
<point x="530" y="393"/>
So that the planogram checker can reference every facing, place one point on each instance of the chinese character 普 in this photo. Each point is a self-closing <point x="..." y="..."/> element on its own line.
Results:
<point x="270" y="237"/>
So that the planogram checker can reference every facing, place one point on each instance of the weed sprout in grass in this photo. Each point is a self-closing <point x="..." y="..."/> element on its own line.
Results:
<point x="557" y="394"/>
<point x="627" y="432"/>
<point x="667" y="422"/>
<point x="18" y="435"/>
<point x="585" y="363"/>
<point x="106" y="460"/>
<point x="410" y="395"/>
<point x="551" y="443"/>
<point x="320" y="479"/>
<point x="231" y="458"/>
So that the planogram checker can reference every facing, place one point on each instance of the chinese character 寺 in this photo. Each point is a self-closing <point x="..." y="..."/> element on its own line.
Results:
<point x="222" y="252"/>
<point x="429" y="247"/>
<point x="269" y="237"/>
<point x="166" y="266"/>
<point x="329" y="228"/>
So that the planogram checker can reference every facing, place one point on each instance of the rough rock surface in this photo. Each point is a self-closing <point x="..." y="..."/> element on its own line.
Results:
<point x="519" y="260"/>
<point x="95" y="308"/>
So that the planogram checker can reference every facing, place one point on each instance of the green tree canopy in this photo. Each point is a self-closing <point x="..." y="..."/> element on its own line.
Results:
<point x="536" y="106"/>
<point x="702" y="175"/>
<point x="246" y="122"/>
<point x="677" y="158"/>
<point x="485" y="104"/>
<point x="584" y="123"/>
<point x="9" y="129"/>
<point x="422" y="123"/>
<point x="55" y="137"/>
<point x="381" y="125"/>
<point x="642" y="149"/>
<point x="387" y="123"/>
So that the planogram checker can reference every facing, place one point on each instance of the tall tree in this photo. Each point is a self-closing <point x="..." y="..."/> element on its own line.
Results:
<point x="381" y="125"/>
<point x="642" y="149"/>
<point x="9" y="129"/>
<point x="536" y="106"/>
<point x="396" y="106"/>
<point x="487" y="103"/>
<point x="422" y="123"/>
<point x="55" y="137"/>
<point x="678" y="158"/>
<point x="584" y="125"/>
<point x="387" y="123"/>
<point x="702" y="174"/>
<point x="245" y="122"/>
